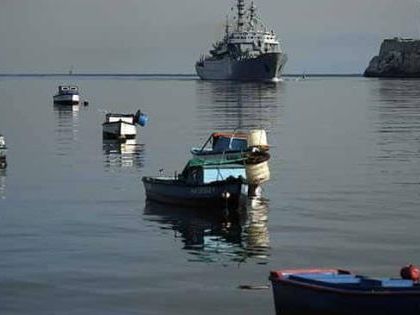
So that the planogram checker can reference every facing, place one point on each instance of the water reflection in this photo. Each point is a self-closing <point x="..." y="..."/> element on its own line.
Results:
<point x="230" y="105"/>
<point x="397" y="108"/>
<point x="123" y="154"/>
<point x="67" y="129"/>
<point x="2" y="183"/>
<point x="216" y="236"/>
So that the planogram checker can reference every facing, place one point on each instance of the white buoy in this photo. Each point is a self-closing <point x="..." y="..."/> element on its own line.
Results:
<point x="257" y="138"/>
<point x="257" y="173"/>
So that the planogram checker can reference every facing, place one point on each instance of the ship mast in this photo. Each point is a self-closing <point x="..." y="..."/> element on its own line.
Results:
<point x="227" y="26"/>
<point x="241" y="13"/>
<point x="252" y="11"/>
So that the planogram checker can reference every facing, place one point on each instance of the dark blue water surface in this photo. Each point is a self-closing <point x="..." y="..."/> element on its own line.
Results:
<point x="77" y="237"/>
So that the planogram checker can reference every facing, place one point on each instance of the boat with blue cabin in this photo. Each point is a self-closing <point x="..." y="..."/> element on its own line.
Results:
<point x="339" y="292"/>
<point x="67" y="95"/>
<point x="202" y="183"/>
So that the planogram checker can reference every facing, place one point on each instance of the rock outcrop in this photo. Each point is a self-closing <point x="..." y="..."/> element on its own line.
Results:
<point x="398" y="58"/>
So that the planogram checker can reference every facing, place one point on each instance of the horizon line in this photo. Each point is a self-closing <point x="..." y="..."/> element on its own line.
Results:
<point x="189" y="75"/>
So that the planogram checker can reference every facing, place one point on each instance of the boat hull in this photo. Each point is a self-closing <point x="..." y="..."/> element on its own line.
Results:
<point x="211" y="195"/>
<point x="119" y="130"/>
<point x="295" y="298"/>
<point x="3" y="161"/>
<point x="66" y="99"/>
<point x="266" y="67"/>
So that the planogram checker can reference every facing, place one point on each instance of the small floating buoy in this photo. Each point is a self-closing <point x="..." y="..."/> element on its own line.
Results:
<point x="141" y="118"/>
<point x="410" y="272"/>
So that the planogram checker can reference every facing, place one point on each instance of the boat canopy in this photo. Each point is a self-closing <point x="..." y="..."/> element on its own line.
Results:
<point x="231" y="143"/>
<point x="226" y="141"/>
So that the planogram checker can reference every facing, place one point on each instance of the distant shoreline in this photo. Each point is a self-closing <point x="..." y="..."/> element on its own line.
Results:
<point x="157" y="75"/>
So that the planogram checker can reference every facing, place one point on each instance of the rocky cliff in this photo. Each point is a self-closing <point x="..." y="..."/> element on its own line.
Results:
<point x="398" y="57"/>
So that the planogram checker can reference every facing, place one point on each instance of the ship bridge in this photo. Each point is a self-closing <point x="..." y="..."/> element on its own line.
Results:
<point x="254" y="41"/>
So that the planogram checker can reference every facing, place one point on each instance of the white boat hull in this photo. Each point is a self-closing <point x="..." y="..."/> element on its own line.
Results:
<point x="67" y="99"/>
<point x="119" y="130"/>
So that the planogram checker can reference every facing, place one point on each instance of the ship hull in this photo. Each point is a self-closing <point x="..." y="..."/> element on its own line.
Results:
<point x="266" y="67"/>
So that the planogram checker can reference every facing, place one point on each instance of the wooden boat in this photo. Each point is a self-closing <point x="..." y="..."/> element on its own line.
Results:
<point x="202" y="183"/>
<point x="122" y="126"/>
<point x="67" y="95"/>
<point x="339" y="292"/>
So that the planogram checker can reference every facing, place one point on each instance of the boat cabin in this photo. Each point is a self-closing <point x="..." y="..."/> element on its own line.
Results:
<point x="128" y="118"/>
<point x="198" y="171"/>
<point x="68" y="89"/>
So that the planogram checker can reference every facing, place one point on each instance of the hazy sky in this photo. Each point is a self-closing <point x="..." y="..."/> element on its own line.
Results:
<point x="146" y="36"/>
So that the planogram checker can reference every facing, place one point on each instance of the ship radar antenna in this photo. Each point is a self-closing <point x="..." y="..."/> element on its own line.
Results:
<point x="241" y="12"/>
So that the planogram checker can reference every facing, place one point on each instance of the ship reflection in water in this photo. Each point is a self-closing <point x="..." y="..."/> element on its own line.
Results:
<point x="2" y="183"/>
<point x="216" y="237"/>
<point x="233" y="105"/>
<point x="123" y="154"/>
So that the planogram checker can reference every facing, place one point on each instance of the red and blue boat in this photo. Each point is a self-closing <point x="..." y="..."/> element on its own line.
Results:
<point x="339" y="292"/>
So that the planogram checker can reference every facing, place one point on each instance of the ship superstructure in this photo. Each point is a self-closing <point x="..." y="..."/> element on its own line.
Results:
<point x="249" y="51"/>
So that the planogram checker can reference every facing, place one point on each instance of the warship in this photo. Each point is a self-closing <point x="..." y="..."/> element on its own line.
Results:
<point x="249" y="51"/>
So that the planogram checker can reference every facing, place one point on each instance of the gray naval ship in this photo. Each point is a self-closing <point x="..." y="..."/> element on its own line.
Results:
<point x="247" y="52"/>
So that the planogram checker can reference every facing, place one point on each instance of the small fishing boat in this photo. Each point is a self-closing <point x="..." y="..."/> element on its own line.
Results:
<point x="3" y="162"/>
<point x="202" y="183"/>
<point x="67" y="95"/>
<point x="122" y="126"/>
<point x="231" y="145"/>
<point x="339" y="292"/>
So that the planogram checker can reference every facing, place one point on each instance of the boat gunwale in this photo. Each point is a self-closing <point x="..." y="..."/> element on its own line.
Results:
<point x="173" y="180"/>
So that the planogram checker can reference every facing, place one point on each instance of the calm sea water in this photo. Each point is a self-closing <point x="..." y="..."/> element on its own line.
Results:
<point x="77" y="237"/>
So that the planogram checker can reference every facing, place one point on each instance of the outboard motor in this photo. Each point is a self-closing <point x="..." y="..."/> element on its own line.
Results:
<point x="141" y="118"/>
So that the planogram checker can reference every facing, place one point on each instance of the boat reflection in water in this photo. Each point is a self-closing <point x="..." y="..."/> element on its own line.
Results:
<point x="241" y="106"/>
<point x="67" y="129"/>
<point x="208" y="236"/>
<point x="123" y="154"/>
<point x="2" y="183"/>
